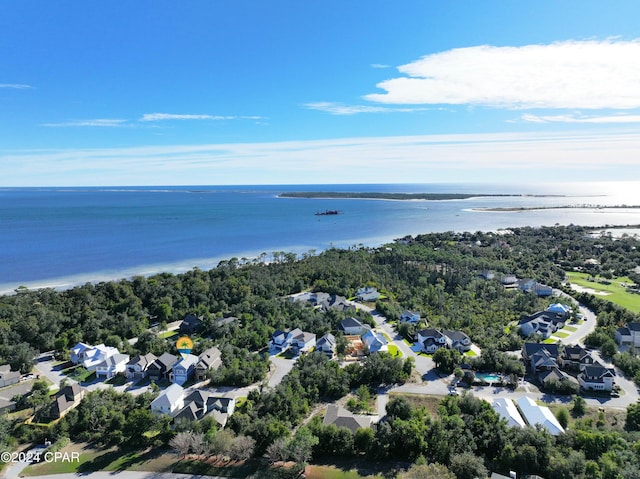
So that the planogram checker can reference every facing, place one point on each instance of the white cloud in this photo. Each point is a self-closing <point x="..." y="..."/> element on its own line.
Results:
<point x="342" y="109"/>
<point x="570" y="74"/>
<point x="171" y="116"/>
<point x="504" y="157"/>
<point x="100" y="122"/>
<point x="581" y="119"/>
<point x="16" y="86"/>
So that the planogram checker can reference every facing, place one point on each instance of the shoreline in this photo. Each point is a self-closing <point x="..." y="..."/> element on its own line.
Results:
<point x="146" y="270"/>
<point x="516" y="209"/>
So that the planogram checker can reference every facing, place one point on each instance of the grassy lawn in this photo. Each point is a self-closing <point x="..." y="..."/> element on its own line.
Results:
<point x="558" y="334"/>
<point x="394" y="351"/>
<point x="550" y="341"/>
<point x="167" y="334"/>
<point x="330" y="472"/>
<point x="471" y="353"/>
<point x="617" y="293"/>
<point x="112" y="459"/>
<point x="569" y="328"/>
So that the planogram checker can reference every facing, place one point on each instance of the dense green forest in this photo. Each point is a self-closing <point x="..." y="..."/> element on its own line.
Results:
<point x="434" y="274"/>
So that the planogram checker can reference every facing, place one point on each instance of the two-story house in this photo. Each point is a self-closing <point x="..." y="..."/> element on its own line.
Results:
<point x="137" y="367"/>
<point x="183" y="369"/>
<point x="209" y="359"/>
<point x="430" y="340"/>
<point x="169" y="401"/>
<point x="161" y="367"/>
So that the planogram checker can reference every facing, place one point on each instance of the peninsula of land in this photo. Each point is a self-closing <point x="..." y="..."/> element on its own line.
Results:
<point x="534" y="208"/>
<point x="394" y="196"/>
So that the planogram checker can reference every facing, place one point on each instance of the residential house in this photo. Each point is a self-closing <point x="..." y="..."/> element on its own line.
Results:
<point x="629" y="335"/>
<point x="575" y="358"/>
<point x="561" y="309"/>
<point x="597" y="378"/>
<point x="430" y="340"/>
<point x="509" y="281"/>
<point x="209" y="359"/>
<point x="554" y="375"/>
<point x="302" y="341"/>
<point x="353" y="326"/>
<point x="221" y="408"/>
<point x="487" y="274"/>
<point x="161" y="367"/>
<point x="191" y="324"/>
<point x="535" y="414"/>
<point x="508" y="410"/>
<point x="367" y="294"/>
<point x="340" y="417"/>
<point x="543" y="323"/>
<point x="7" y="376"/>
<point x="170" y="401"/>
<point x="182" y="370"/>
<point x="375" y="342"/>
<point x="410" y="317"/>
<point x="200" y="404"/>
<point x="66" y="399"/>
<point x="327" y="344"/>
<point x="326" y="302"/>
<point x="77" y="352"/>
<point x="137" y="367"/>
<point x="540" y="356"/>
<point x="112" y="365"/>
<point x="96" y="355"/>
<point x="458" y="340"/>
<point x="6" y="405"/>
<point x="529" y="285"/>
<point x="279" y="341"/>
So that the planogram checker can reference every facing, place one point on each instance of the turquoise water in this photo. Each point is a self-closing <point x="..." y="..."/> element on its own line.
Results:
<point x="58" y="237"/>
<point x="488" y="378"/>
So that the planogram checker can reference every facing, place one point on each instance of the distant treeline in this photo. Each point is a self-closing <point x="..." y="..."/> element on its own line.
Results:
<point x="387" y="196"/>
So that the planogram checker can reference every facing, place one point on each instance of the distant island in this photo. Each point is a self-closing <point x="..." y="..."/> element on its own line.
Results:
<point x="533" y="208"/>
<point x="394" y="196"/>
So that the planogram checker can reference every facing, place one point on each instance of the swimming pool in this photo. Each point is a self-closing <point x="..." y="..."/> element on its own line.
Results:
<point x="489" y="378"/>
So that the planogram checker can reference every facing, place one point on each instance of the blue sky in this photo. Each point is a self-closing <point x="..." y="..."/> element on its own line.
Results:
<point x="288" y="91"/>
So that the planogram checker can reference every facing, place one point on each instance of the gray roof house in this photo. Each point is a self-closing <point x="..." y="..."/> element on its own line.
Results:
<point x="7" y="376"/>
<point x="161" y="367"/>
<point x="327" y="344"/>
<point x="208" y="359"/>
<point x="340" y="417"/>
<point x="137" y="367"/>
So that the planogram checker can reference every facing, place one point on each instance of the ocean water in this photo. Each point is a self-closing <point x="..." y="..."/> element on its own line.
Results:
<point x="58" y="237"/>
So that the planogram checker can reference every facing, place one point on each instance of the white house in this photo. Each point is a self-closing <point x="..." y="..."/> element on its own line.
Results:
<point x="367" y="294"/>
<point x="183" y="369"/>
<point x="409" y="317"/>
<point x="375" y="342"/>
<point x="94" y="356"/>
<point x="507" y="409"/>
<point x="112" y="365"/>
<point x="77" y="352"/>
<point x="353" y="327"/>
<point x="596" y="377"/>
<point x="302" y="341"/>
<point x="170" y="401"/>
<point x="535" y="414"/>
<point x="430" y="340"/>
